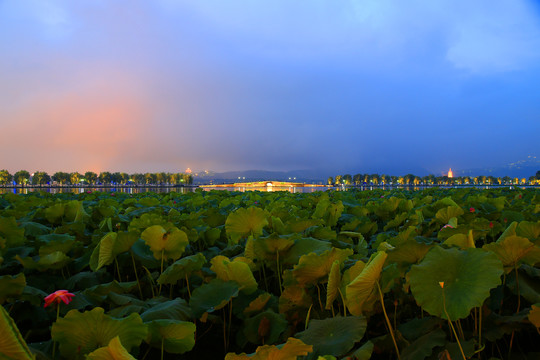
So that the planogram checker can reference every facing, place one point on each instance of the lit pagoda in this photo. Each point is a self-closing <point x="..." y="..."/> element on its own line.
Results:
<point x="450" y="173"/>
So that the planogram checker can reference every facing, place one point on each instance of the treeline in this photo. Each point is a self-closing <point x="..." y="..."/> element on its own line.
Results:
<point x="23" y="177"/>
<point x="410" y="179"/>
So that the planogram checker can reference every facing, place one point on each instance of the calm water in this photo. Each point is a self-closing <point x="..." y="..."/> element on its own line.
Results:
<point x="183" y="190"/>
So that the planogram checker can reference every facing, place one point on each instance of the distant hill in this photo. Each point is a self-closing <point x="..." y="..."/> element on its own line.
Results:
<point x="520" y="169"/>
<point x="307" y="176"/>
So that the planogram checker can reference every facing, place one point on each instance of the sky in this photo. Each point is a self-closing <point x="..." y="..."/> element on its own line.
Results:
<point x="357" y="86"/>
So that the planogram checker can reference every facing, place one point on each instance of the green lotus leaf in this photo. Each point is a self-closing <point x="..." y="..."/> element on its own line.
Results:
<point x="212" y="296"/>
<point x="113" y="351"/>
<point x="444" y="215"/>
<point x="238" y="271"/>
<point x="396" y="221"/>
<point x="11" y="286"/>
<point x="534" y="315"/>
<point x="303" y="246"/>
<point x="265" y="328"/>
<point x="54" y="213"/>
<point x="468" y="276"/>
<point x="182" y="268"/>
<point x="313" y="267"/>
<point x="12" y="344"/>
<point x="34" y="229"/>
<point x="334" y="283"/>
<point x="258" y="304"/>
<point x="423" y="347"/>
<point x="55" y="260"/>
<point x="80" y="333"/>
<point x="176" y="337"/>
<point x="288" y="351"/>
<point x="362" y="291"/>
<point x="294" y="297"/>
<point x="364" y="352"/>
<point x="461" y="240"/>
<point x="334" y="336"/>
<point x="407" y="252"/>
<point x="74" y="211"/>
<point x="176" y="309"/>
<point x="328" y="211"/>
<point x="10" y="232"/>
<point x="169" y="244"/>
<point x="110" y="246"/>
<point x="244" y="222"/>
<point x="530" y="230"/>
<point x="514" y="250"/>
<point x="56" y="242"/>
<point x="299" y="225"/>
<point x="268" y="248"/>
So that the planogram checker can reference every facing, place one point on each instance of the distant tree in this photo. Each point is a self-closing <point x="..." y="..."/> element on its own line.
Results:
<point x="138" y="178"/>
<point x="5" y="177"/>
<point x="538" y="174"/>
<point x="90" y="177"/>
<point x="506" y="180"/>
<point x="75" y="178"/>
<point x="339" y="179"/>
<point x="187" y="179"/>
<point x="357" y="179"/>
<point x="105" y="177"/>
<point x="374" y="178"/>
<point x="40" y="178"/>
<point x="116" y="178"/>
<point x="150" y="178"/>
<point x="384" y="179"/>
<point x="394" y="179"/>
<point x="61" y="177"/>
<point x="347" y="179"/>
<point x="330" y="180"/>
<point x="21" y="177"/>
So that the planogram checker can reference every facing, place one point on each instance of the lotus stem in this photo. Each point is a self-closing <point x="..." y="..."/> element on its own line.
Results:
<point x="388" y="321"/>
<point x="162" y="340"/>
<point x="452" y="326"/>
<point x="319" y="296"/>
<point x="278" y="272"/>
<point x="187" y="284"/>
<point x="344" y="305"/>
<point x="118" y="270"/>
<point x="517" y="289"/>
<point x="162" y="251"/>
<point x="136" y="276"/>
<point x="307" y="316"/>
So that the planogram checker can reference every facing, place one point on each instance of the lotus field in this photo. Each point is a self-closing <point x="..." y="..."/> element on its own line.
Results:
<point x="433" y="274"/>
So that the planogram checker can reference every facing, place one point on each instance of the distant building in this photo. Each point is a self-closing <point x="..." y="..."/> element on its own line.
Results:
<point x="450" y="173"/>
<point x="188" y="171"/>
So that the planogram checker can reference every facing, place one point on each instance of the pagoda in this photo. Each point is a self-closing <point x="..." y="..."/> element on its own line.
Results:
<point x="450" y="173"/>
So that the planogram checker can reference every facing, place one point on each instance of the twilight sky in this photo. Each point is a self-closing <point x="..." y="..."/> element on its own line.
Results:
<point x="343" y="86"/>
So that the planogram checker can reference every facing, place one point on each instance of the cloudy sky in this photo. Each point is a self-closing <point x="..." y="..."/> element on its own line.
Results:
<point x="342" y="86"/>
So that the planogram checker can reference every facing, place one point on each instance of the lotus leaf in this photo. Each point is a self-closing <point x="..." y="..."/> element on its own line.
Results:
<point x="445" y="214"/>
<point x="54" y="213"/>
<point x="74" y="211"/>
<point x="267" y="248"/>
<point x="110" y="246"/>
<point x="313" y="267"/>
<point x="182" y="268"/>
<point x="467" y="277"/>
<point x="265" y="328"/>
<point x="10" y="232"/>
<point x="165" y="244"/>
<point x="423" y="347"/>
<point x="534" y="315"/>
<point x="514" y="250"/>
<point x="12" y="344"/>
<point x="212" y="296"/>
<point x="80" y="333"/>
<point x="408" y="252"/>
<point x="176" y="337"/>
<point x="258" y="304"/>
<point x="288" y="351"/>
<point x="303" y="246"/>
<point x="176" y="309"/>
<point x="461" y="240"/>
<point x="335" y="336"/>
<point x="334" y="283"/>
<point x="294" y="297"/>
<point x="529" y="230"/>
<point x="56" y="242"/>
<point x="362" y="291"/>
<point x="244" y="222"/>
<point x="11" y="286"/>
<point x="238" y="271"/>
<point x="328" y="211"/>
<point x="364" y="352"/>
<point x="113" y="351"/>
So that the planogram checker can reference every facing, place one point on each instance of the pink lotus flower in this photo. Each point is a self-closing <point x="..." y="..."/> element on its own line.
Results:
<point x="491" y="224"/>
<point x="447" y="226"/>
<point x="472" y="210"/>
<point x="57" y="296"/>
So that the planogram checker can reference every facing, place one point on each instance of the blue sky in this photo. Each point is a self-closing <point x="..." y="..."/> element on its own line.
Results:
<point x="340" y="86"/>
